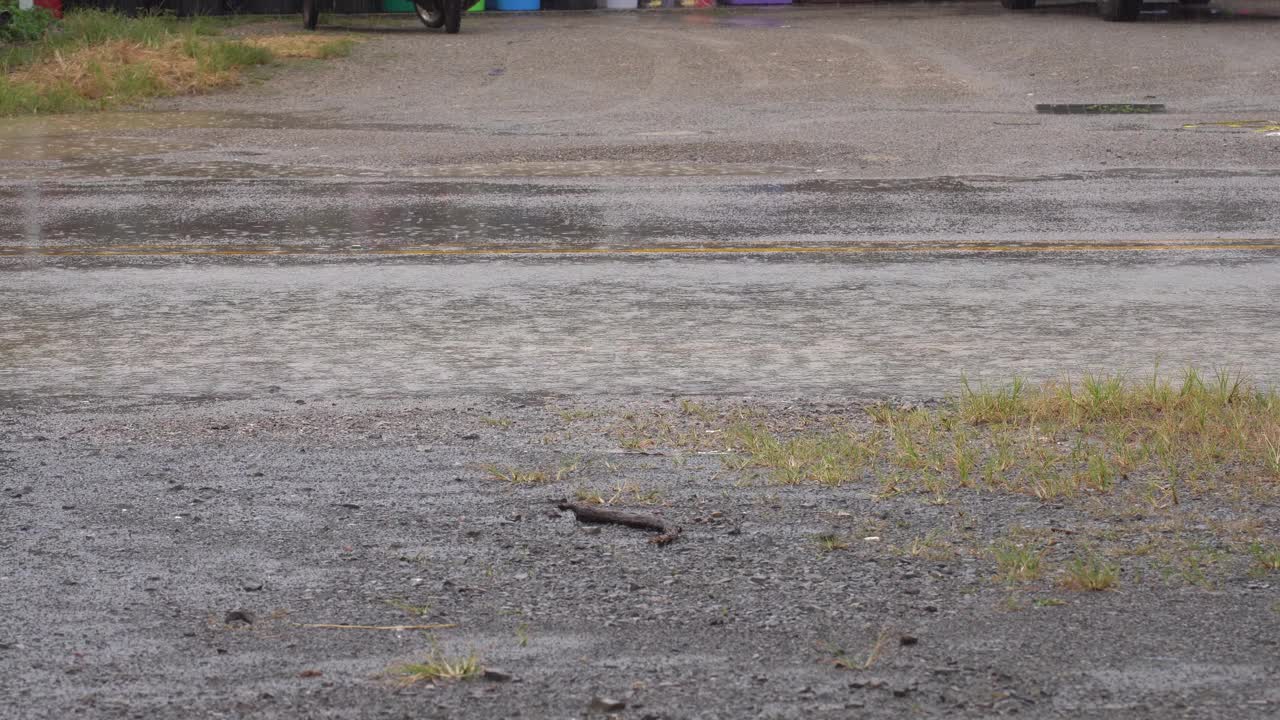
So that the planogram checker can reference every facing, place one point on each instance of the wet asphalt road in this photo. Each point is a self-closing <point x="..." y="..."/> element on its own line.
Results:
<point x="204" y="254"/>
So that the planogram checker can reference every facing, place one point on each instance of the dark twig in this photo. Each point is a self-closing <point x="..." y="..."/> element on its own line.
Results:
<point x="594" y="514"/>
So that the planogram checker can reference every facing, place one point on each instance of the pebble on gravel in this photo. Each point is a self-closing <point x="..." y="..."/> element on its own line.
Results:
<point x="238" y="617"/>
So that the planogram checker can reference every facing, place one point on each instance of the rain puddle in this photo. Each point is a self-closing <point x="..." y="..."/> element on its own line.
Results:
<point x="132" y="134"/>
<point x="1100" y="108"/>
<point x="602" y="168"/>
<point x="125" y="145"/>
<point x="147" y="168"/>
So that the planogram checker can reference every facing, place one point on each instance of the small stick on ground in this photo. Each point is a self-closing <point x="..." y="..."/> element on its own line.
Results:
<point x="329" y="626"/>
<point x="592" y="514"/>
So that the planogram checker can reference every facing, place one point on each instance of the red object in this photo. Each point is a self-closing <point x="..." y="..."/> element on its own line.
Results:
<point x="53" y="6"/>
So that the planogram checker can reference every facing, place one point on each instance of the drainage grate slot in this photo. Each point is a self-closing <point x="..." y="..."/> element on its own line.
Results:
<point x="1100" y="109"/>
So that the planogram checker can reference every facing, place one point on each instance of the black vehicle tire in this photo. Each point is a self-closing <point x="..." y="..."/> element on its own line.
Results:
<point x="1017" y="4"/>
<point x="452" y="15"/>
<point x="429" y="13"/>
<point x="310" y="14"/>
<point x="1119" y="10"/>
<point x="1195" y="2"/>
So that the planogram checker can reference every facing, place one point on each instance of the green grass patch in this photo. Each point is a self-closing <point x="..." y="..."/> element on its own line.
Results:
<point x="94" y="60"/>
<point x="23" y="25"/>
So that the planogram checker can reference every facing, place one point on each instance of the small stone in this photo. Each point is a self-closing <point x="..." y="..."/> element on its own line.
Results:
<point x="254" y="586"/>
<point x="908" y="640"/>
<point x="759" y="579"/>
<point x="471" y="436"/>
<point x="349" y="506"/>
<point x="68" y="507"/>
<point x="717" y="514"/>
<point x="591" y="530"/>
<point x="496" y="675"/>
<point x="310" y="674"/>
<point x="238" y="617"/>
<point x="605" y="705"/>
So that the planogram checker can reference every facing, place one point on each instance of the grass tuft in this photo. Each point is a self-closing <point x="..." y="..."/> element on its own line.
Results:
<point x="1266" y="557"/>
<point x="438" y="668"/>
<point x="830" y="460"/>
<point x="1091" y="573"/>
<point x="1017" y="562"/>
<point x="515" y="475"/>
<point x="830" y="542"/>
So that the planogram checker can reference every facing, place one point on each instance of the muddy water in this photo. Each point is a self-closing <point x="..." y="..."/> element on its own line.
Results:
<point x="332" y="214"/>
<point x="141" y="144"/>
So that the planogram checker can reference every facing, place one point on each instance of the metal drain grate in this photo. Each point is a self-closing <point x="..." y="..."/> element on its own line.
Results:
<point x="1100" y="109"/>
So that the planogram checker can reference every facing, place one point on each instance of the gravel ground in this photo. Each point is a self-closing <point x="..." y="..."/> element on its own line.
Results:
<point x="122" y="602"/>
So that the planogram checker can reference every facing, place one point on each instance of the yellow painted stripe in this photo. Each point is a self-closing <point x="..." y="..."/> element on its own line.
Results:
<point x="951" y="248"/>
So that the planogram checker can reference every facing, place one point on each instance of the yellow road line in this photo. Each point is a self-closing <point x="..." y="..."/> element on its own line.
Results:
<point x="887" y="248"/>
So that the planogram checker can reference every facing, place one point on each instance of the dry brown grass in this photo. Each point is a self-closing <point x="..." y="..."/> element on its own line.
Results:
<point x="314" y="47"/>
<point x="126" y="61"/>
<point x="94" y="72"/>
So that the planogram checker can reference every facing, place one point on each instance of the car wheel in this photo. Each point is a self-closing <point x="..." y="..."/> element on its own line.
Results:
<point x="452" y="15"/>
<point x="429" y="13"/>
<point x="1119" y="10"/>
<point x="1017" y="4"/>
<point x="310" y="14"/>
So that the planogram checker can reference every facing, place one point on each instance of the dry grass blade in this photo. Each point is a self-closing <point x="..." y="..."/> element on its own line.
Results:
<point x="873" y="655"/>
